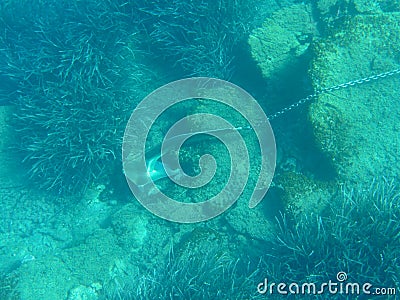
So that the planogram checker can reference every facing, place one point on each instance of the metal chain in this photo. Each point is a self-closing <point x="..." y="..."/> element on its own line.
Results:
<point x="333" y="88"/>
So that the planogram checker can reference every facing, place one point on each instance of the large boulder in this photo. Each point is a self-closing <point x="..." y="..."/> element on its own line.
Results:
<point x="283" y="39"/>
<point x="358" y="127"/>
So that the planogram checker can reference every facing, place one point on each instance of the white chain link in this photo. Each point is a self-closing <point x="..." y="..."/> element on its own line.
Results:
<point x="333" y="88"/>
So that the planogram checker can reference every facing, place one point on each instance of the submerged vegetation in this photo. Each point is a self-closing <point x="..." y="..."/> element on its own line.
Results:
<point x="70" y="97"/>
<point x="74" y="75"/>
<point x="359" y="234"/>
<point x="198" y="36"/>
<point x="194" y="274"/>
<point x="73" y="71"/>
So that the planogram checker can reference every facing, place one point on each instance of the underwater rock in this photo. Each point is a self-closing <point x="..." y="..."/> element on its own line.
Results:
<point x="82" y="292"/>
<point x="283" y="39"/>
<point x="326" y="6"/>
<point x="358" y="128"/>
<point x="338" y="8"/>
<point x="375" y="6"/>
<point x="303" y="195"/>
<point x="252" y="222"/>
<point x="367" y="6"/>
<point x="45" y="278"/>
<point x="129" y="225"/>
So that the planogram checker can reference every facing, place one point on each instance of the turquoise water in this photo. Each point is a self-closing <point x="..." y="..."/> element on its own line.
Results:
<point x="72" y="73"/>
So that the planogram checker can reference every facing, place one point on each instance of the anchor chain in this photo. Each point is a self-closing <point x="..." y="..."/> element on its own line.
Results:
<point x="333" y="88"/>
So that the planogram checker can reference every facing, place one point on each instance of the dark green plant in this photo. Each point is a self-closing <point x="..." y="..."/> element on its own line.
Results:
<point x="359" y="234"/>
<point x="194" y="274"/>
<point x="65" y="64"/>
<point x="72" y="100"/>
<point x="8" y="287"/>
<point x="198" y="37"/>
